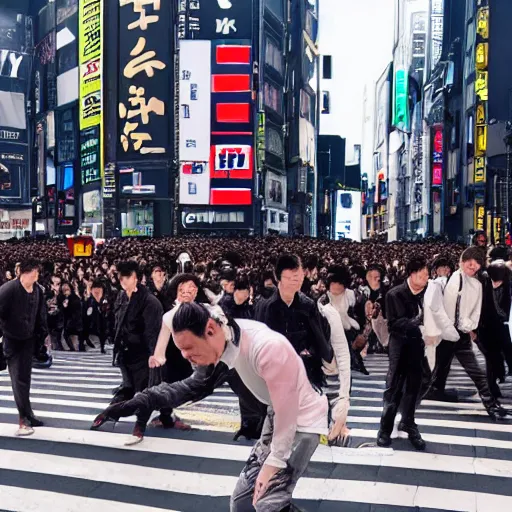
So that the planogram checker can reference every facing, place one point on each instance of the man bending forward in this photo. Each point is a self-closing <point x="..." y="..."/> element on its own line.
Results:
<point x="270" y="368"/>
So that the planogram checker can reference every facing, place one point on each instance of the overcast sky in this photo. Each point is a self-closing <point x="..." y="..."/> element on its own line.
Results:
<point x="366" y="30"/>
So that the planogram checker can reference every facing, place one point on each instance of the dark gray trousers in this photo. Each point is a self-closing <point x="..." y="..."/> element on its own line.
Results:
<point x="279" y="494"/>
<point x="19" y="362"/>
<point x="463" y="351"/>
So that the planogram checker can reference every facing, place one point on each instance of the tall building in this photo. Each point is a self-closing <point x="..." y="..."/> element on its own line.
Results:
<point x="16" y="47"/>
<point x="247" y="141"/>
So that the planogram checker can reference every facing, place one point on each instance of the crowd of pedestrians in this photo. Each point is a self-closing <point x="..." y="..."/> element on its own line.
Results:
<point x="179" y="314"/>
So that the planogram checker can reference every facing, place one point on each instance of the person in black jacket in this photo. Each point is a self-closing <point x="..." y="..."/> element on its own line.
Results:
<point x="138" y="317"/>
<point x="237" y="304"/>
<point x="71" y="308"/>
<point x="23" y="324"/>
<point x="493" y="332"/>
<point x="293" y="314"/>
<point x="96" y="314"/>
<point x="404" y="309"/>
<point x="159" y="286"/>
<point x="55" y="316"/>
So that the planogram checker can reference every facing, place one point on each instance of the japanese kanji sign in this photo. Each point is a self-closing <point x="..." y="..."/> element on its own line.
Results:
<point x="144" y="78"/>
<point x="90" y="35"/>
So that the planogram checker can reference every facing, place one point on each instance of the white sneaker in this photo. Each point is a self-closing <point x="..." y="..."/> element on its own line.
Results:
<point x="24" y="430"/>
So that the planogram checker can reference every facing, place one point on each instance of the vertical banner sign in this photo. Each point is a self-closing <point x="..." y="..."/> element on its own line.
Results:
<point x="90" y="26"/>
<point x="482" y="94"/>
<point x="144" y="79"/>
<point x="401" y="100"/>
<point x="437" y="157"/>
<point x="195" y="100"/>
<point x="436" y="23"/>
<point x="90" y="35"/>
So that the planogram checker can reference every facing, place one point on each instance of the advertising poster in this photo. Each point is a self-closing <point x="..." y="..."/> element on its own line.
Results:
<point x="275" y="190"/>
<point x="348" y="215"/>
<point x="145" y="85"/>
<point x="232" y="162"/>
<point x="195" y="100"/>
<point x="92" y="204"/>
<point x="90" y="155"/>
<point x="89" y="61"/>
<point x="194" y="183"/>
<point x="14" y="186"/>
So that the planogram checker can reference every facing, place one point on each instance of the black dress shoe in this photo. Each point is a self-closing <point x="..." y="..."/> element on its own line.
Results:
<point x="414" y="435"/>
<point x="383" y="439"/>
<point x="34" y="422"/>
<point x="496" y="411"/>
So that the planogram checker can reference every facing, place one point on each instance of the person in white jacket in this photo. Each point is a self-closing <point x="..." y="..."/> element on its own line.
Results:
<point x="437" y="325"/>
<point x="463" y="304"/>
<point x="338" y="376"/>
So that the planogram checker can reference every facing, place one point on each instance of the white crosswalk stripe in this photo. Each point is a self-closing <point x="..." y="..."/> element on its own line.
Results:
<point x="65" y="467"/>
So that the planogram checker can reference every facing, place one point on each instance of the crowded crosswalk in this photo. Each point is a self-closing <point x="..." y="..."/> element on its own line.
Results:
<point x="66" y="467"/>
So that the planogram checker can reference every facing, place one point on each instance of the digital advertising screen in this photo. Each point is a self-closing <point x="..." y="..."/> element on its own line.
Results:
<point x="348" y="216"/>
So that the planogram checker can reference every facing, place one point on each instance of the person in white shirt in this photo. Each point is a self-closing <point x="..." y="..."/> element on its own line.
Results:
<point x="437" y="325"/>
<point x="338" y="376"/>
<point x="271" y="369"/>
<point x="463" y="305"/>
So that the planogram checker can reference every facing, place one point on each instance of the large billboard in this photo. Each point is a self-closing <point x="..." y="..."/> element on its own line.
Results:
<point x="145" y="85"/>
<point x="348" y="216"/>
<point x="216" y="115"/>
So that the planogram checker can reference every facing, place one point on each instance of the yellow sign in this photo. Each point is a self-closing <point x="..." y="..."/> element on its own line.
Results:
<point x="497" y="230"/>
<point x="481" y="140"/>
<point x="482" y="56"/>
<point x="482" y="27"/>
<point x="488" y="226"/>
<point x="479" y="170"/>
<point x="90" y="62"/>
<point x="479" y="217"/>
<point x="481" y="85"/>
<point x="481" y="114"/>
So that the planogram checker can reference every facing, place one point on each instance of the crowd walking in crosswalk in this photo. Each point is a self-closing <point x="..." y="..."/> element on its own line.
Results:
<point x="64" y="466"/>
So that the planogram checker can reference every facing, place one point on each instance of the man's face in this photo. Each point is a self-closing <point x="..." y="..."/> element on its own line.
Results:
<point x="187" y="292"/>
<point x="291" y="280"/>
<point x="56" y="282"/>
<point x="202" y="351"/>
<point x="97" y="293"/>
<point x="158" y="276"/>
<point x="228" y="286"/>
<point x="373" y="278"/>
<point x="241" y="296"/>
<point x="129" y="283"/>
<point x="419" y="279"/>
<point x="470" y="267"/>
<point x="66" y="290"/>
<point x="31" y="277"/>
<point x="443" y="271"/>
<point x="481" y="241"/>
